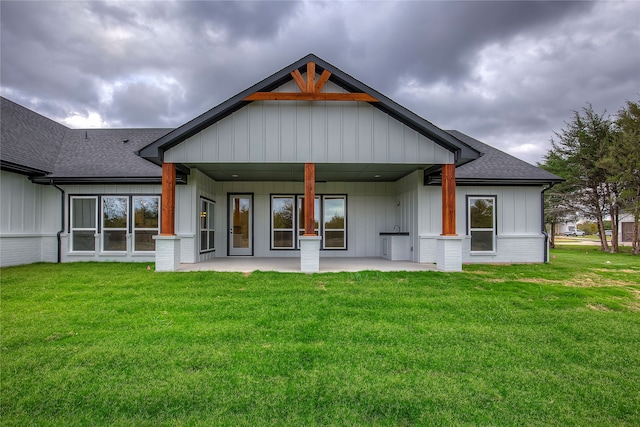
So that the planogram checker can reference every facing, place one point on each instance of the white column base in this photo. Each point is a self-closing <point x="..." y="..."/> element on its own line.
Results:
<point x="449" y="253"/>
<point x="167" y="253"/>
<point x="310" y="254"/>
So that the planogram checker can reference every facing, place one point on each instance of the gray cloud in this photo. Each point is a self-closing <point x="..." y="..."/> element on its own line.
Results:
<point x="508" y="73"/>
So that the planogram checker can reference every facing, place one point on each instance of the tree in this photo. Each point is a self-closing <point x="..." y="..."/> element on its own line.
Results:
<point x="575" y="154"/>
<point x="557" y="210"/>
<point x="622" y="164"/>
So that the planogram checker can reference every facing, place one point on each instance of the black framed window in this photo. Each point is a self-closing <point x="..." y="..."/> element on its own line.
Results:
<point x="146" y="222"/>
<point x="287" y="220"/>
<point x="481" y="211"/>
<point x="207" y="225"/>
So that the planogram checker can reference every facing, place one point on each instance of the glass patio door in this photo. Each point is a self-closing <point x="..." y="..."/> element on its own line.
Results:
<point x="241" y="224"/>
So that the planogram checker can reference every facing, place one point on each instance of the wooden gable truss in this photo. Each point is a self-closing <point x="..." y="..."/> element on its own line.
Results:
<point x="310" y="90"/>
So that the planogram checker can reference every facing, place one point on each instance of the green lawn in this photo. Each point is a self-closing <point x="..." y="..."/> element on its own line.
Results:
<point x="115" y="344"/>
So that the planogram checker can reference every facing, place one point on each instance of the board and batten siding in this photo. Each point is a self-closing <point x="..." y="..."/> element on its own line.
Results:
<point x="518" y="217"/>
<point x="29" y="221"/>
<point x="304" y="131"/>
<point x="371" y="209"/>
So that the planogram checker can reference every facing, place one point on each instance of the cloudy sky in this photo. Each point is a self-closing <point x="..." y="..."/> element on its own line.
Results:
<point x="507" y="73"/>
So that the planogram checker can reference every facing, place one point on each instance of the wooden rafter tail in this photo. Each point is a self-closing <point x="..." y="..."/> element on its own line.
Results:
<point x="297" y="77"/>
<point x="311" y="77"/>
<point x="296" y="96"/>
<point x="324" y="77"/>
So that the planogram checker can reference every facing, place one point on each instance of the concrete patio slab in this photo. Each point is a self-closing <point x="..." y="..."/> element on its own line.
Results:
<point x="292" y="265"/>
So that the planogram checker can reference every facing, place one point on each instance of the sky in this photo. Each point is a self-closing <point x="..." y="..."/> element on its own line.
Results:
<point x="509" y="73"/>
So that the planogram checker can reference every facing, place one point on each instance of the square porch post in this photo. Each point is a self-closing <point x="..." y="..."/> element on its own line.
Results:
<point x="167" y="243"/>
<point x="309" y="242"/>
<point x="449" y="244"/>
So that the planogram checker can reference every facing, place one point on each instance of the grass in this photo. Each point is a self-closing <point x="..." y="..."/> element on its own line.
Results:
<point x="115" y="344"/>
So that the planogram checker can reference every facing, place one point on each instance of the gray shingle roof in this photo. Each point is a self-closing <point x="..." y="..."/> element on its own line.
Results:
<point x="37" y="146"/>
<point x="28" y="140"/>
<point x="102" y="153"/>
<point x="496" y="166"/>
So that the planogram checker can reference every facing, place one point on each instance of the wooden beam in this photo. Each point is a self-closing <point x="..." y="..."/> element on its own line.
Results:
<point x="311" y="77"/>
<point x="168" y="199"/>
<point x="449" y="200"/>
<point x="309" y="198"/>
<point x="322" y="80"/>
<point x="295" y="96"/>
<point x="297" y="77"/>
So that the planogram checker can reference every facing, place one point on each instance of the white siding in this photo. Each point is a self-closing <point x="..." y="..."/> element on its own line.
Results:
<point x="371" y="209"/>
<point x="29" y="220"/>
<point x="518" y="215"/>
<point x="302" y="131"/>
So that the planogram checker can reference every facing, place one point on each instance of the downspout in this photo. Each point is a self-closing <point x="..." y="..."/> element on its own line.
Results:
<point x="62" y="195"/>
<point x="545" y="253"/>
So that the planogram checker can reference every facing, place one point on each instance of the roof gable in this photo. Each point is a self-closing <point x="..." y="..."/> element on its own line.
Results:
<point x="462" y="152"/>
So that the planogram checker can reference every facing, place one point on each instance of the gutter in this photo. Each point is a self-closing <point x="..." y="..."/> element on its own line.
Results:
<point x="62" y="196"/>
<point x="545" y="253"/>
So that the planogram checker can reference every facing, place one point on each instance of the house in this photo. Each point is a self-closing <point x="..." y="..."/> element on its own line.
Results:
<point x="308" y="163"/>
<point x="625" y="230"/>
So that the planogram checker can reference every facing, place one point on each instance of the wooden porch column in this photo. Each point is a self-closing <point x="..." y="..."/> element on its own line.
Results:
<point x="449" y="200"/>
<point x="168" y="199"/>
<point x="309" y="198"/>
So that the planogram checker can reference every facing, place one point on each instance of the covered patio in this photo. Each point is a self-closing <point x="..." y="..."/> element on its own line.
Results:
<point x="292" y="265"/>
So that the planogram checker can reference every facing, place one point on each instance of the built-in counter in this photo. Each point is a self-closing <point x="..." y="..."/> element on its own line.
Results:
<point x="396" y="246"/>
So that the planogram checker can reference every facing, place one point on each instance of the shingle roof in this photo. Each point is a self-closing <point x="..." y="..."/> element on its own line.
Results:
<point x="495" y="166"/>
<point x="103" y="155"/>
<point x="35" y="145"/>
<point x="29" y="142"/>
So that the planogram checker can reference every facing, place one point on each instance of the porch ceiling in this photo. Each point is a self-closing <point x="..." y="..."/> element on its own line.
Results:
<point x="349" y="172"/>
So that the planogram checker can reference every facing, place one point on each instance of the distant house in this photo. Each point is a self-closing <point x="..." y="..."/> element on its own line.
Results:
<point x="625" y="232"/>
<point x="308" y="163"/>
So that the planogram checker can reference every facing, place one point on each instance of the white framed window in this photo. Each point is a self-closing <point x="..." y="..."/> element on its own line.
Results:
<point x="334" y="227"/>
<point x="146" y="222"/>
<point x="481" y="211"/>
<point x="207" y="225"/>
<point x="282" y="222"/>
<point x="84" y="218"/>
<point x="115" y="214"/>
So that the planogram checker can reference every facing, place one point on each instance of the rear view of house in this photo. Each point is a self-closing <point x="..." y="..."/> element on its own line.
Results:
<point x="308" y="163"/>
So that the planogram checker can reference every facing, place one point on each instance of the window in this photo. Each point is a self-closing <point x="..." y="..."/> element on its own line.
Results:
<point x="334" y="208"/>
<point x="207" y="227"/>
<point x="482" y="223"/>
<point x="145" y="222"/>
<point x="83" y="223"/>
<point x="114" y="223"/>
<point x="316" y="215"/>
<point x="282" y="222"/>
<point x="287" y="221"/>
